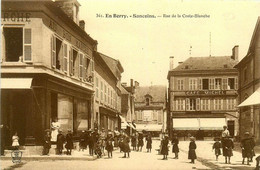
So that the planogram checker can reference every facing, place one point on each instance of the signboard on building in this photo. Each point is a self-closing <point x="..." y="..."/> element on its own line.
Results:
<point x="206" y="92"/>
<point x="147" y="115"/>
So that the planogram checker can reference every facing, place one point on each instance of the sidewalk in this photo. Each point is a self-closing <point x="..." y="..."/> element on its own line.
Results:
<point x="207" y="156"/>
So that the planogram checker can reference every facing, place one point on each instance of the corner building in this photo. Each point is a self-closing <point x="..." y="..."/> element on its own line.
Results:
<point x="203" y="96"/>
<point x="46" y="69"/>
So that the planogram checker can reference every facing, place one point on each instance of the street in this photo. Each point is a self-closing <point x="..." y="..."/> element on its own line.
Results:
<point x="139" y="160"/>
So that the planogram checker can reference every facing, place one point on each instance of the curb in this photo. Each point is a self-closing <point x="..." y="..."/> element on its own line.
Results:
<point x="39" y="158"/>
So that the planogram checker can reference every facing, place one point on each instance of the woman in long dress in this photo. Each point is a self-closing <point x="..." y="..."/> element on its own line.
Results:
<point x="55" y="125"/>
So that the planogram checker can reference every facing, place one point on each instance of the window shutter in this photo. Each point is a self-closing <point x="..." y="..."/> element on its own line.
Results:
<point x="187" y="104"/>
<point x="225" y="104"/>
<point x="224" y="85"/>
<point x="53" y="51"/>
<point x="80" y="65"/>
<point x="183" y="104"/>
<point x="27" y="45"/>
<point x="200" y="84"/>
<point x="71" y="62"/>
<point x="214" y="104"/>
<point x="221" y="104"/>
<point x="198" y="104"/>
<point x="84" y="68"/>
<point x="65" y="58"/>
<point x="236" y="83"/>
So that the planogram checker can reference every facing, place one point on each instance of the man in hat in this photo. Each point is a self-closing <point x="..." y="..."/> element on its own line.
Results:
<point x="91" y="142"/>
<point x="140" y="141"/>
<point x="148" y="142"/>
<point x="103" y="142"/>
<point x="83" y="142"/>
<point x="164" y="146"/>
<point x="109" y="144"/>
<point x="69" y="144"/>
<point x="175" y="147"/>
<point x="247" y="147"/>
<point x="192" y="147"/>
<point x="47" y="142"/>
<point x="60" y="142"/>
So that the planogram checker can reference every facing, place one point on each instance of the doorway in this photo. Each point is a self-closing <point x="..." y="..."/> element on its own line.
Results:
<point x="231" y="127"/>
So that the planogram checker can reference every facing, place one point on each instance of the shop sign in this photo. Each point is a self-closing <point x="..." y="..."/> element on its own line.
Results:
<point x="16" y="16"/>
<point x="206" y="92"/>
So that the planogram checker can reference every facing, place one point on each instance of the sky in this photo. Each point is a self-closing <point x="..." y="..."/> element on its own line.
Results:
<point x="143" y="45"/>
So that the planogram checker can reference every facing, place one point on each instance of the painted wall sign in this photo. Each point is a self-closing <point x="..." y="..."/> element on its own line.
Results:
<point x="208" y="92"/>
<point x="16" y="16"/>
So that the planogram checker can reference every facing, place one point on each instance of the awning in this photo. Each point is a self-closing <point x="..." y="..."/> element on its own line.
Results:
<point x="186" y="123"/>
<point x="212" y="123"/>
<point x="16" y="83"/>
<point x="254" y="99"/>
<point x="124" y="123"/>
<point x="148" y="127"/>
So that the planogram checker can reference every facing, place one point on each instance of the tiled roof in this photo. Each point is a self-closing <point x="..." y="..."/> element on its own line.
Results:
<point x="207" y="63"/>
<point x="157" y="92"/>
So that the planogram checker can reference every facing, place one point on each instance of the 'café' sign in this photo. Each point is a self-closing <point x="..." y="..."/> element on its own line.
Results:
<point x="207" y="92"/>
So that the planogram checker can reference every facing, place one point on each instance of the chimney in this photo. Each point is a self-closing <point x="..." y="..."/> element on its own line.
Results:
<point x="171" y="62"/>
<point x="136" y="84"/>
<point x="235" y="53"/>
<point x="131" y="82"/>
<point x="82" y="24"/>
<point x="124" y="84"/>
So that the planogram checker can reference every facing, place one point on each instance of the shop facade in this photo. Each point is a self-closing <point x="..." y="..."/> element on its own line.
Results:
<point x="202" y="96"/>
<point x="46" y="70"/>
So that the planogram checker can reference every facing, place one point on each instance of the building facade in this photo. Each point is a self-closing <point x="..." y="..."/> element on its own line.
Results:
<point x="203" y="95"/>
<point x="249" y="87"/>
<point x="107" y="92"/>
<point x="47" y="68"/>
<point x="150" y="108"/>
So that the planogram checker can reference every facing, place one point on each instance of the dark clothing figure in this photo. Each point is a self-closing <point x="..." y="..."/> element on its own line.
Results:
<point x="164" y="147"/>
<point x="121" y="143"/>
<point x="175" y="147"/>
<point x="116" y="140"/>
<point x="140" y="142"/>
<point x="47" y="144"/>
<point x="133" y="142"/>
<point x="126" y="147"/>
<point x="60" y="142"/>
<point x="91" y="144"/>
<point x="217" y="147"/>
<point x="227" y="145"/>
<point x="98" y="149"/>
<point x="247" y="149"/>
<point x="148" y="143"/>
<point x="253" y="151"/>
<point x="109" y="145"/>
<point x="69" y="144"/>
<point x="192" y="153"/>
<point x="83" y="141"/>
<point x="5" y="136"/>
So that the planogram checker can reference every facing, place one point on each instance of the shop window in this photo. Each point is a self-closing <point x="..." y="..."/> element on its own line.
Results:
<point x="205" y="84"/>
<point x="82" y="115"/>
<point x="17" y="44"/>
<point x="231" y="83"/>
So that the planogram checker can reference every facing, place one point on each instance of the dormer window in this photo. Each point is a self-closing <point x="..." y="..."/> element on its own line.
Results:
<point x="147" y="101"/>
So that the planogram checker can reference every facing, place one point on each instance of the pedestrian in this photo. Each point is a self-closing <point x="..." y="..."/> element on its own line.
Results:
<point x="149" y="143"/>
<point x="69" y="142"/>
<point x="257" y="162"/>
<point x="109" y="144"/>
<point x="15" y="140"/>
<point x="103" y="142"/>
<point x="253" y="145"/>
<point x="116" y="137"/>
<point x="47" y="142"/>
<point x="126" y="147"/>
<point x="217" y="147"/>
<point x="140" y="141"/>
<point x="91" y="143"/>
<point x="83" y="142"/>
<point x="120" y="143"/>
<point x="227" y="146"/>
<point x="225" y="132"/>
<point x="164" y="146"/>
<point x="133" y="141"/>
<point x="175" y="147"/>
<point x="60" y="142"/>
<point x="192" y="147"/>
<point x="247" y="148"/>
<point x="98" y="150"/>
<point x="55" y="125"/>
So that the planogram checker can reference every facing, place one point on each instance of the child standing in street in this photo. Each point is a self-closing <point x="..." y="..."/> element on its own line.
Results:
<point x="217" y="146"/>
<point x="60" y="142"/>
<point x="15" y="140"/>
<point x="228" y="146"/>
<point x="192" y="147"/>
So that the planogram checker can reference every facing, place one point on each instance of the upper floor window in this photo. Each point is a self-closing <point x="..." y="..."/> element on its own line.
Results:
<point x="180" y="84"/>
<point x="147" y="101"/>
<point x="231" y="104"/>
<point x="192" y="104"/>
<point x="231" y="84"/>
<point x="180" y="104"/>
<point x="97" y="87"/>
<point x="17" y="38"/>
<point x="101" y="90"/>
<point x="218" y="104"/>
<point x="218" y="83"/>
<point x="193" y="84"/>
<point x="205" y="104"/>
<point x="205" y="84"/>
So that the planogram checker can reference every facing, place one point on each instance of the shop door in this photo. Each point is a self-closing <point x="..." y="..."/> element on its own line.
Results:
<point x="231" y="127"/>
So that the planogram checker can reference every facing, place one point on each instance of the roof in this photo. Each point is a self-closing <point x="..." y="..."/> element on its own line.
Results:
<point x="207" y="63"/>
<point x="252" y="43"/>
<point x="157" y="92"/>
<point x="123" y="90"/>
<point x="113" y="64"/>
